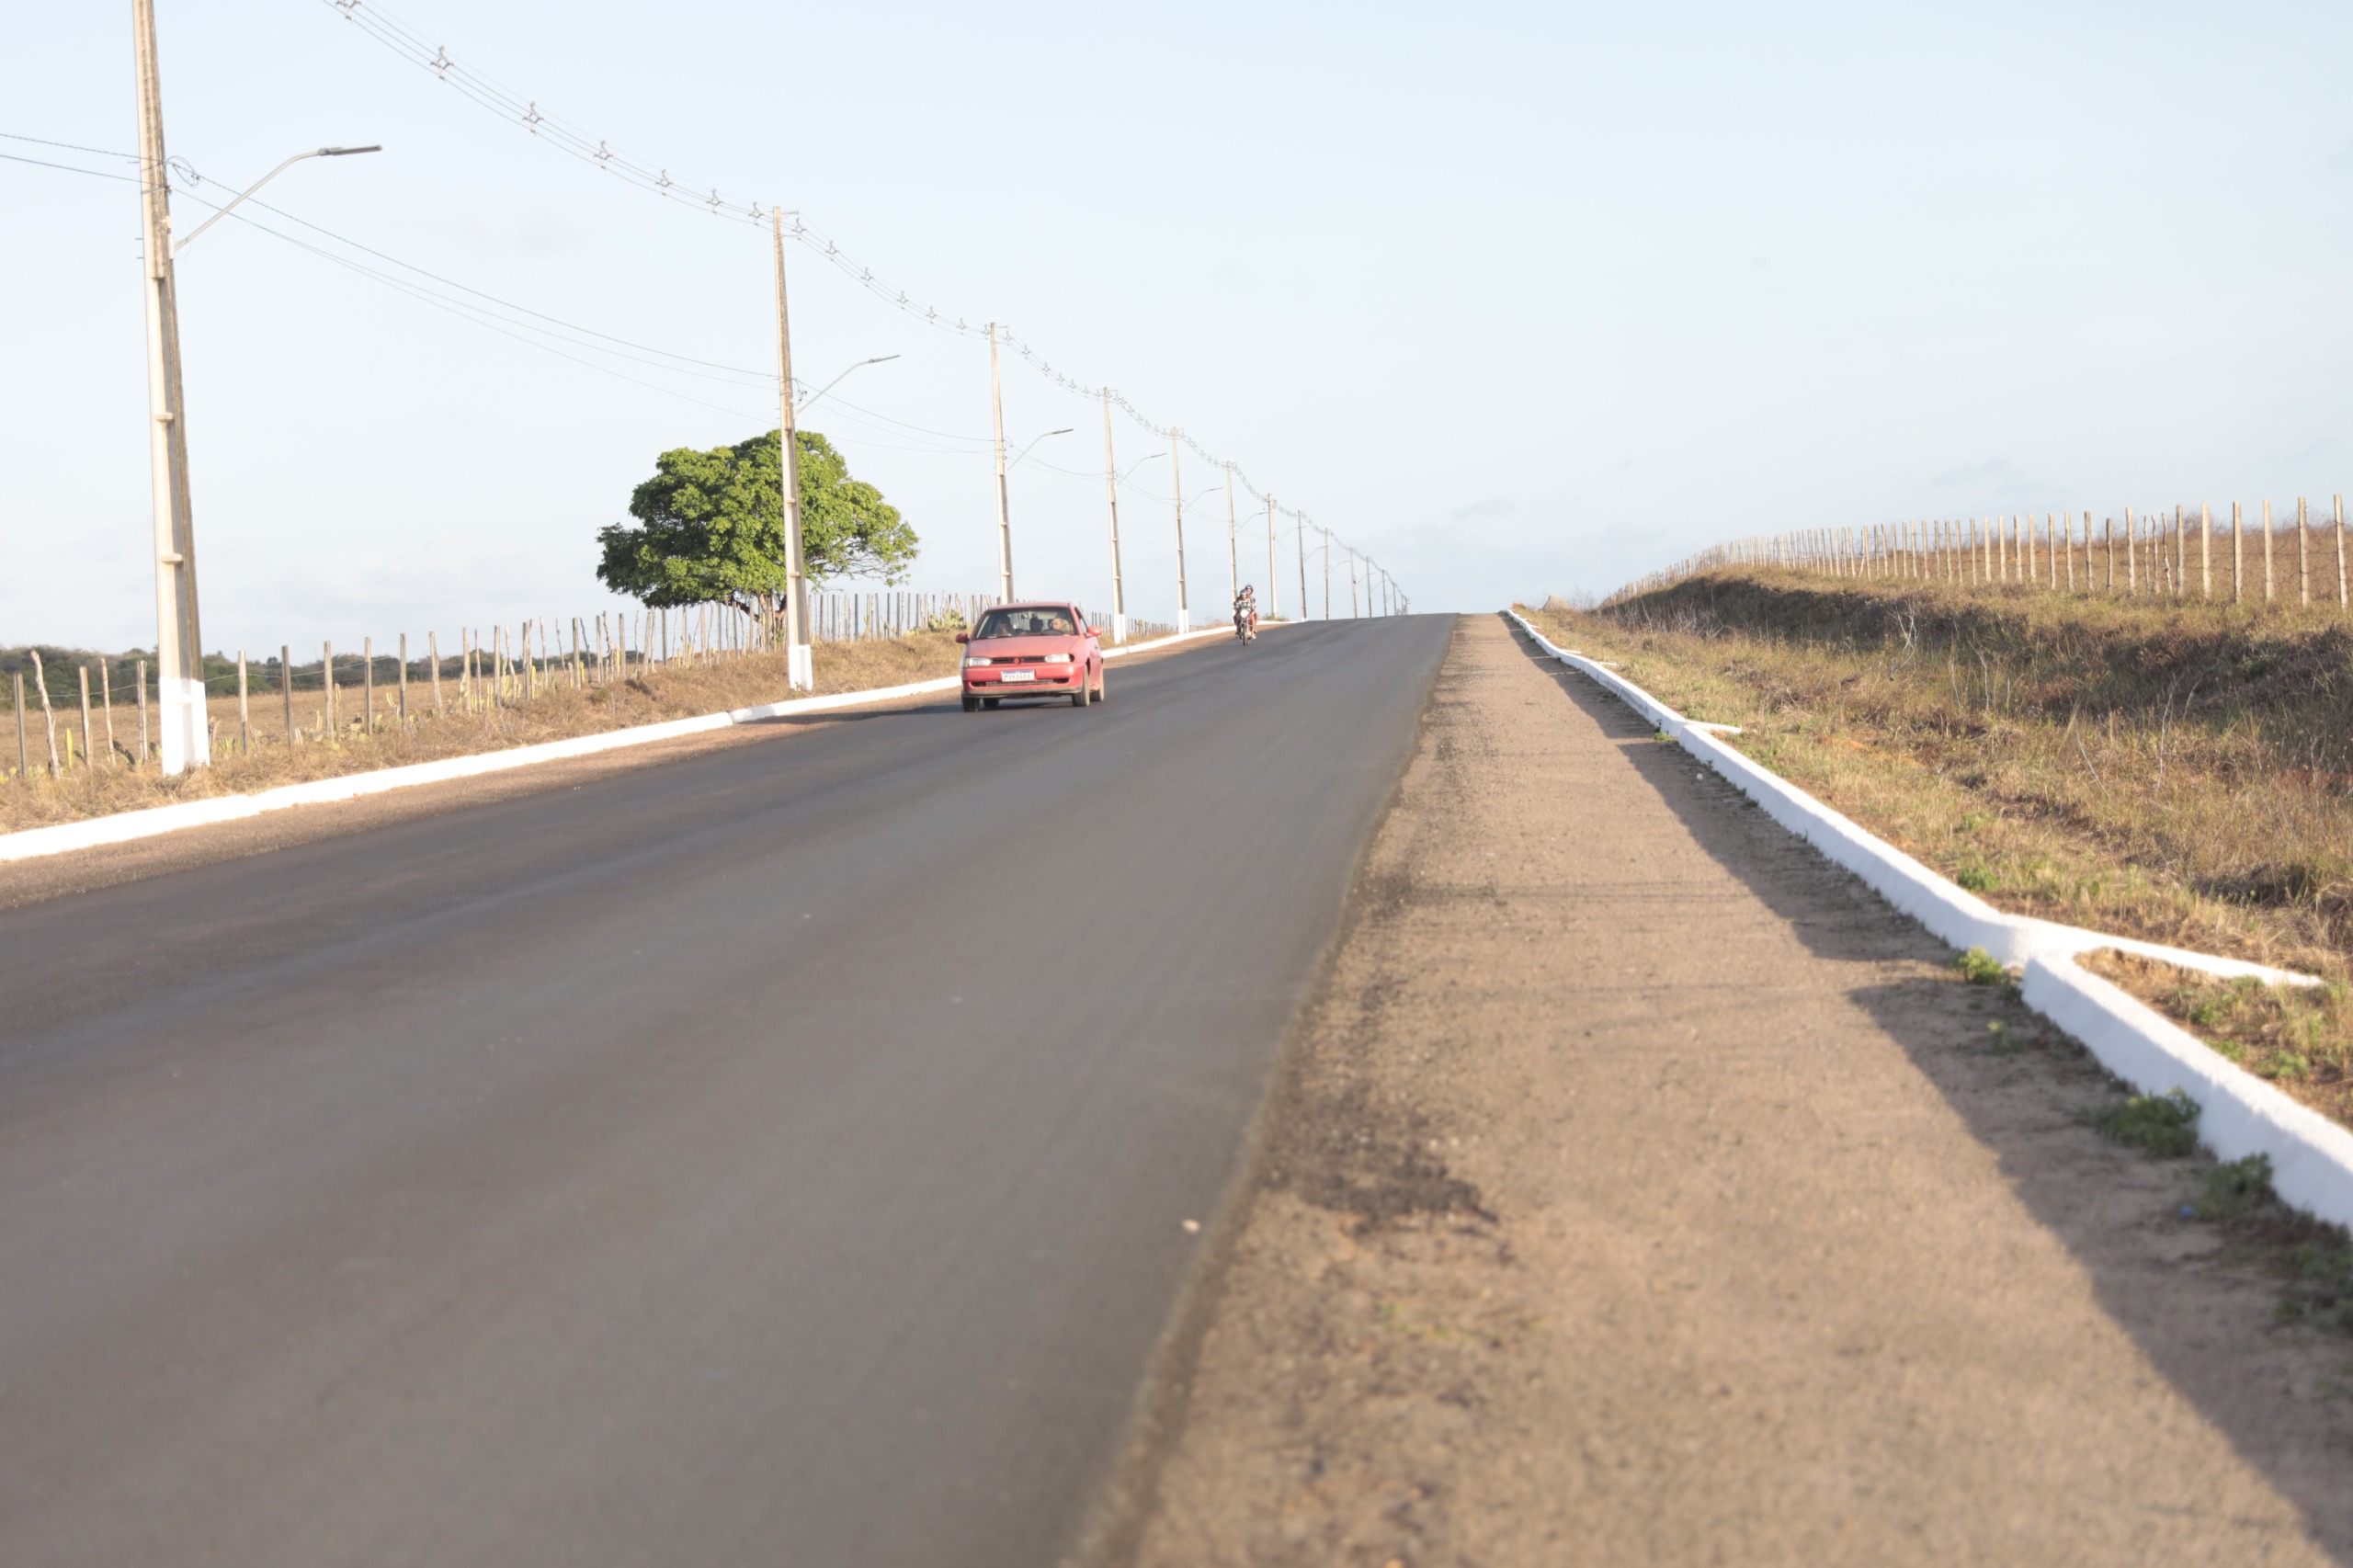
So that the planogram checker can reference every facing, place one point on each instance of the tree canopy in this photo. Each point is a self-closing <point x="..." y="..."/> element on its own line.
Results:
<point x="709" y="525"/>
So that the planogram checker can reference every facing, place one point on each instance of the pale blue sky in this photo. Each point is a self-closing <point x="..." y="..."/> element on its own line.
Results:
<point x="1517" y="298"/>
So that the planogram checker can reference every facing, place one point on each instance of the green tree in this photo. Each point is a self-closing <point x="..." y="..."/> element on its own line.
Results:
<point x="709" y="527"/>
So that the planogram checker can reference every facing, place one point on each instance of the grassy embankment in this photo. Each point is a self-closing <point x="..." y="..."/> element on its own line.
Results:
<point x="2181" y="772"/>
<point x="676" y="690"/>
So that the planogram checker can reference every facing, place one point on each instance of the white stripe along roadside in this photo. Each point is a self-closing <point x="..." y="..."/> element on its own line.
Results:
<point x="2240" y="1115"/>
<point x="126" y="826"/>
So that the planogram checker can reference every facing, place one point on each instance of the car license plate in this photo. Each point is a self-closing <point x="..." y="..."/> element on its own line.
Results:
<point x="1019" y="674"/>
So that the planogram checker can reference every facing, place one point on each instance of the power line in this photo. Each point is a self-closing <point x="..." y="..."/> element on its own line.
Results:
<point x="518" y="108"/>
<point x="70" y="146"/>
<point x="68" y="168"/>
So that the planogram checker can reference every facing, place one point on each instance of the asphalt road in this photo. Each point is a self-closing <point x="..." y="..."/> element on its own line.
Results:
<point x="776" y="1156"/>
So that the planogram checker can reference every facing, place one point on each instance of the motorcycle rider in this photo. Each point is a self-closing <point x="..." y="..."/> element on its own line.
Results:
<point x="1245" y="613"/>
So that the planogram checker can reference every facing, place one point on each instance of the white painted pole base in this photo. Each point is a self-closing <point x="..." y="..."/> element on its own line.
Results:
<point x="800" y="668"/>
<point x="1119" y="629"/>
<point x="187" y="740"/>
<point x="1184" y="623"/>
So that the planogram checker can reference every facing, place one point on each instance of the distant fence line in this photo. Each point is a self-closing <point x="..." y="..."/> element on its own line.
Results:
<point x="2187" y="555"/>
<point x="486" y="671"/>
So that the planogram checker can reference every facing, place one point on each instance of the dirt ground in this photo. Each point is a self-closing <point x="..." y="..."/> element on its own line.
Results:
<point x="1643" y="1190"/>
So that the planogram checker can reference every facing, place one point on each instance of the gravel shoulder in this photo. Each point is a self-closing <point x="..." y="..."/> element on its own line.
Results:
<point x="1640" y="1188"/>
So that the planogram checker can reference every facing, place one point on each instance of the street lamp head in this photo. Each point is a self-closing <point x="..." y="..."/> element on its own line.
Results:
<point x="345" y="152"/>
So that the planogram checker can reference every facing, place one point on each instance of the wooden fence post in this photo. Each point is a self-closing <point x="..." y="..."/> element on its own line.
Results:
<point x="326" y="679"/>
<point x="2303" y="557"/>
<point x="106" y="703"/>
<point x="2340" y="553"/>
<point x="285" y="690"/>
<point x="48" y="717"/>
<point x="244" y="709"/>
<point x="2266" y="552"/>
<point x="89" y="753"/>
<point x="2238" y="555"/>
<point x="367" y="684"/>
<point x="24" y="763"/>
<point x="2205" y="551"/>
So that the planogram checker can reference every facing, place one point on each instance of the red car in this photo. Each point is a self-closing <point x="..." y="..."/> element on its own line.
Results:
<point x="1032" y="650"/>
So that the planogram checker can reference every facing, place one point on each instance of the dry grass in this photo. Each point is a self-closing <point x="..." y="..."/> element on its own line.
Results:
<point x="2299" y="1036"/>
<point x="2177" y="771"/>
<point x="675" y="691"/>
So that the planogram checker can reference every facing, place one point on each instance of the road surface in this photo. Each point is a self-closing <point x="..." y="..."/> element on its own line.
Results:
<point x="777" y="1156"/>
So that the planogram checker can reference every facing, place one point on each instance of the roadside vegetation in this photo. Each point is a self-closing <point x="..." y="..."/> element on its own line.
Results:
<point x="2177" y="771"/>
<point x="357" y="742"/>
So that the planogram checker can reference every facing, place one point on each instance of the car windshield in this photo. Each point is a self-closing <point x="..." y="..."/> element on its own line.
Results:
<point x="1025" y="623"/>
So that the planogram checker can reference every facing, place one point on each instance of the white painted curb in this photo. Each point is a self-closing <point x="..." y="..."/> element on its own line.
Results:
<point x="125" y="826"/>
<point x="2312" y="1157"/>
<point x="2238" y="1113"/>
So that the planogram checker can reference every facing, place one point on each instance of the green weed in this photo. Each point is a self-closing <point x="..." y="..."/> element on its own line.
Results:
<point x="2235" y="1189"/>
<point x="1981" y="968"/>
<point x="2164" y="1125"/>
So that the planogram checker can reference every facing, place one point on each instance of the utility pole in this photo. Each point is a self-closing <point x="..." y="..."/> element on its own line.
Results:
<point x="1176" y="478"/>
<point x="1111" y="487"/>
<point x="179" y="644"/>
<point x="1302" y="566"/>
<point x="1233" y="559"/>
<point x="1004" y="518"/>
<point x="1327" y="572"/>
<point x="1352" y="582"/>
<point x="800" y="666"/>
<point x="1274" y="585"/>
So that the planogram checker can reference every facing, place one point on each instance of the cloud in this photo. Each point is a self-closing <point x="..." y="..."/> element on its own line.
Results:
<point x="545" y="230"/>
<point x="1493" y="507"/>
<point x="1993" y="481"/>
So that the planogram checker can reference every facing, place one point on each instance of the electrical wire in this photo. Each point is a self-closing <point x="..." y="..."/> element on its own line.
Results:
<point x="70" y="146"/>
<point x="521" y="110"/>
<point x="70" y="168"/>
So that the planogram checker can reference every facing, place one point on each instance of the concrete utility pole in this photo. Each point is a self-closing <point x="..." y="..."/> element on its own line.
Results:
<point x="1176" y="484"/>
<point x="800" y="664"/>
<point x="179" y="644"/>
<point x="1111" y="487"/>
<point x="1232" y="557"/>
<point x="1274" y="586"/>
<point x="1302" y="566"/>
<point x="1004" y="517"/>
<point x="1352" y="582"/>
<point x="1327" y="572"/>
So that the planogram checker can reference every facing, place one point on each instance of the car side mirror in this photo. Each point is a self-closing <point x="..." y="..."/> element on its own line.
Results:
<point x="963" y="637"/>
<point x="1095" y="631"/>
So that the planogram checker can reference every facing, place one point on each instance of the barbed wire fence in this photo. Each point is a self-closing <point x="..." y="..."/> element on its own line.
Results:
<point x="2256" y="556"/>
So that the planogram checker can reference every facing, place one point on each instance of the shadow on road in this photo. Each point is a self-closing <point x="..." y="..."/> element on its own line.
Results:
<point x="2200" y="1327"/>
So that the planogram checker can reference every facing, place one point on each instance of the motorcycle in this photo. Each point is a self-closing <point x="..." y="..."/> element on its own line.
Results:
<point x="1245" y="624"/>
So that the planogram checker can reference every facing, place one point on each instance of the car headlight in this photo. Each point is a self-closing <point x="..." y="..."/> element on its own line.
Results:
<point x="975" y="660"/>
<point x="1058" y="658"/>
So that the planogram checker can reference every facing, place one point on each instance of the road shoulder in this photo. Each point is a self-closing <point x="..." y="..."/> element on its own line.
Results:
<point x="1640" y="1188"/>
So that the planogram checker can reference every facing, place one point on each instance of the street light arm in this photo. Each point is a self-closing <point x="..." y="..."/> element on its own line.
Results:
<point x="314" y="152"/>
<point x="1033" y="441"/>
<point x="809" y="403"/>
